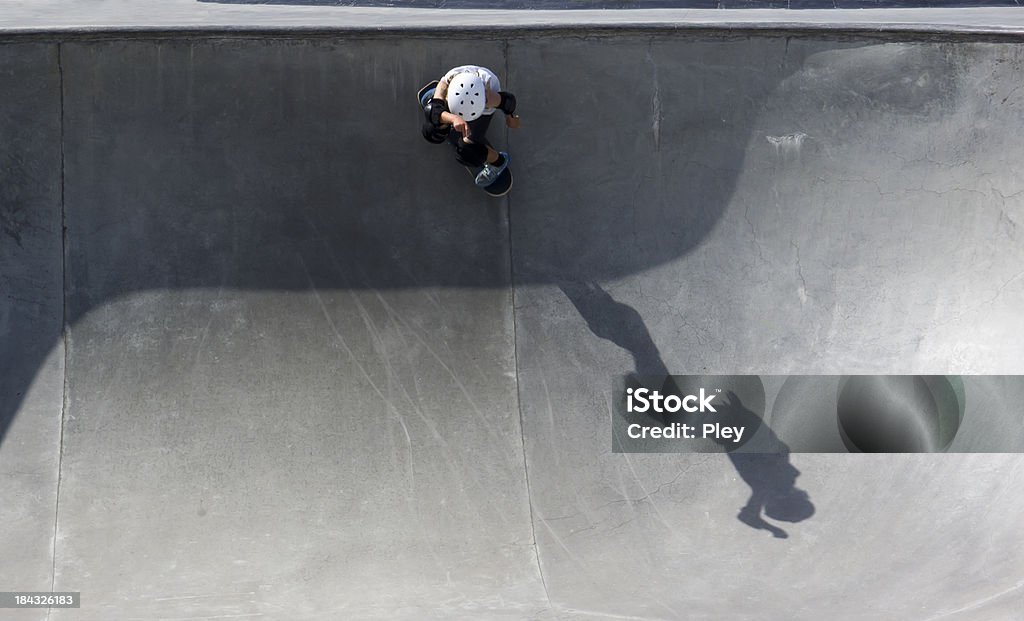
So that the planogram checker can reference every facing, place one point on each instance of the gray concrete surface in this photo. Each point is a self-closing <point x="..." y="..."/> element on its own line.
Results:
<point x="532" y="5"/>
<point x="31" y="314"/>
<point x="313" y="373"/>
<point x="47" y="17"/>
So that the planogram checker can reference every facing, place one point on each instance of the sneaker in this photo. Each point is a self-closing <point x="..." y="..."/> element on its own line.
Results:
<point x="490" y="173"/>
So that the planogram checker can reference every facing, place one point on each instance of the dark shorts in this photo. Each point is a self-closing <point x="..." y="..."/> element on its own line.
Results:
<point x="474" y="154"/>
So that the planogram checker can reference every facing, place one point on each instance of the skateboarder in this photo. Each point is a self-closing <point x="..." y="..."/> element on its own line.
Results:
<point x="464" y="101"/>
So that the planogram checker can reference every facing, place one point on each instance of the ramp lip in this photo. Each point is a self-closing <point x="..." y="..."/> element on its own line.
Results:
<point x="888" y="31"/>
<point x="211" y="19"/>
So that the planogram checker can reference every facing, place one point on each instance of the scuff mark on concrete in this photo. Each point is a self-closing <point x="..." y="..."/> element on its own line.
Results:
<point x="12" y="222"/>
<point x="787" y="144"/>
<point x="656" y="113"/>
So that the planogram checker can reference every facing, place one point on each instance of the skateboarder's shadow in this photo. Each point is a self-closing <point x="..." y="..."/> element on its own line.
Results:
<point x="764" y="465"/>
<point x="769" y="474"/>
<point x="616" y="322"/>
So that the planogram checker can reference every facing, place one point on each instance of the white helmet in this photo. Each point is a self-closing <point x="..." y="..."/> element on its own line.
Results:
<point x="467" y="96"/>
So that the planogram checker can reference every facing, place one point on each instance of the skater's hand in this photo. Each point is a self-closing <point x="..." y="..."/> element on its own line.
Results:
<point x="460" y="125"/>
<point x="512" y="121"/>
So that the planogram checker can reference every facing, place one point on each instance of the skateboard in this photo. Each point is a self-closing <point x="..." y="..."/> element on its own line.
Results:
<point x="503" y="183"/>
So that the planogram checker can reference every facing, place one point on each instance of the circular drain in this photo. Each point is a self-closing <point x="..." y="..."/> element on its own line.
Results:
<point x="899" y="413"/>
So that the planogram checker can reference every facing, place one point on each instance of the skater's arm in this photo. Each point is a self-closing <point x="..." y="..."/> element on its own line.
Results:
<point x="441" y="90"/>
<point x="506" y="102"/>
<point x="438" y="116"/>
<point x="447" y="118"/>
<point x="457" y="122"/>
<point x="493" y="98"/>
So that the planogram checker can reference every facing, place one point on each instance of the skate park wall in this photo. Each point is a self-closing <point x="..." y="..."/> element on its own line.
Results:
<point x="520" y="5"/>
<point x="267" y="353"/>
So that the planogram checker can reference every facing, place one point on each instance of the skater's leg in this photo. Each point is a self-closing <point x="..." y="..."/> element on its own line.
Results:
<point x="472" y="154"/>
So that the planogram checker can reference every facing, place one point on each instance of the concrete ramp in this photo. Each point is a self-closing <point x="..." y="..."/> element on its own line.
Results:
<point x="267" y="354"/>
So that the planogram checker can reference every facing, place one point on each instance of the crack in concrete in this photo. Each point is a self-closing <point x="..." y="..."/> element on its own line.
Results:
<point x="800" y="272"/>
<point x="515" y="356"/>
<point x="65" y="329"/>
